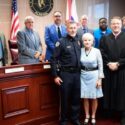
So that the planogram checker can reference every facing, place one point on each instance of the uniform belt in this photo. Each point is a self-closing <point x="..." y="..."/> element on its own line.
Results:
<point x="89" y="69"/>
<point x="70" y="69"/>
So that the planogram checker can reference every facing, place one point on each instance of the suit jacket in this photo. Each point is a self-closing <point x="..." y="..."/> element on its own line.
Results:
<point x="51" y="37"/>
<point x="5" y="52"/>
<point x="80" y="32"/>
<point x="27" y="46"/>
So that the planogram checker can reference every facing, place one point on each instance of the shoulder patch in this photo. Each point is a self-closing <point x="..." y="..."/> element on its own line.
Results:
<point x="57" y="44"/>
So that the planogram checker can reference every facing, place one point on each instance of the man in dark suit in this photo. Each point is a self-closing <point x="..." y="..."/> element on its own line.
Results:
<point x="83" y="28"/>
<point x="3" y="51"/>
<point x="29" y="44"/>
<point x="53" y="33"/>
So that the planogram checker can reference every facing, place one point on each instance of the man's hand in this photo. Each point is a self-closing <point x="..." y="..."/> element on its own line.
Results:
<point x="37" y="54"/>
<point x="42" y="57"/>
<point x="58" y="81"/>
<point x="113" y="66"/>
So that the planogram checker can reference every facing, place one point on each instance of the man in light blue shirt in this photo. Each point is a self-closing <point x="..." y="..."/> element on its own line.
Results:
<point x="101" y="31"/>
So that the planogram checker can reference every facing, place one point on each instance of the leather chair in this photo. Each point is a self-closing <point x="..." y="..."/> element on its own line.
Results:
<point x="14" y="51"/>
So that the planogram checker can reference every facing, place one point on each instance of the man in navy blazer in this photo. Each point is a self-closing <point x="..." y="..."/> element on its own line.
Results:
<point x="29" y="44"/>
<point x="53" y="33"/>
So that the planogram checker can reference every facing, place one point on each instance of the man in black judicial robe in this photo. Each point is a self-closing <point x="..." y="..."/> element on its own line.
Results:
<point x="113" y="52"/>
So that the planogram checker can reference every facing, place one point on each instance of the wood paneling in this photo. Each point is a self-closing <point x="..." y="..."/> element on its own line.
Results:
<point x="15" y="101"/>
<point x="28" y="97"/>
<point x="48" y="100"/>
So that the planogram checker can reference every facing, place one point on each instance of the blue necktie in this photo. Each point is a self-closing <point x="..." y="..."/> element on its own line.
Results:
<point x="59" y="32"/>
<point x="84" y="30"/>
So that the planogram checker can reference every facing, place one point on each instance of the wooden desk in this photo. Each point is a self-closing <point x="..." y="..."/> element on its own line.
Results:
<point x="28" y="96"/>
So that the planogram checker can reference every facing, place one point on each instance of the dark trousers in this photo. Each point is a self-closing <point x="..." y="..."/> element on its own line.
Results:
<point x="70" y="96"/>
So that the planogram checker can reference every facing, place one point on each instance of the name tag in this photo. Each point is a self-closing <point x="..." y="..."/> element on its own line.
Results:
<point x="46" y="66"/>
<point x="68" y="47"/>
<point x="12" y="70"/>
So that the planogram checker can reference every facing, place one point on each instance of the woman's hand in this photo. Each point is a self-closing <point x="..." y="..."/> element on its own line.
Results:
<point x="99" y="83"/>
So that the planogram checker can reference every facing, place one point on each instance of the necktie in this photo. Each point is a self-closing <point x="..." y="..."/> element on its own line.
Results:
<point x="85" y="31"/>
<point x="59" y="32"/>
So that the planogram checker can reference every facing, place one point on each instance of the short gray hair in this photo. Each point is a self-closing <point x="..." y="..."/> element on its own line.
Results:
<point x="27" y="18"/>
<point x="84" y="17"/>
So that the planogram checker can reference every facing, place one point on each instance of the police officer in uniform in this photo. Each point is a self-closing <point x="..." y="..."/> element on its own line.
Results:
<point x="67" y="53"/>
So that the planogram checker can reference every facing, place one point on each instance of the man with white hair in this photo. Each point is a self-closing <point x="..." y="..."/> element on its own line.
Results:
<point x="29" y="44"/>
<point x="84" y="27"/>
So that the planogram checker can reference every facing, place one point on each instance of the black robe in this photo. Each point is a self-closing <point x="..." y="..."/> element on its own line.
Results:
<point x="113" y="50"/>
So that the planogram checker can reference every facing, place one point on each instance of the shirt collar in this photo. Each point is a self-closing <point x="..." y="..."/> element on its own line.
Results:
<point x="29" y="30"/>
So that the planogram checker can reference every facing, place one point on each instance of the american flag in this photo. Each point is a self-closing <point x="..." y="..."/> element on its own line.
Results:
<point x="14" y="21"/>
<point x="71" y="13"/>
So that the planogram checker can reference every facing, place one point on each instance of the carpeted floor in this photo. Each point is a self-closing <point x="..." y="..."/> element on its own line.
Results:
<point x="108" y="122"/>
<point x="105" y="122"/>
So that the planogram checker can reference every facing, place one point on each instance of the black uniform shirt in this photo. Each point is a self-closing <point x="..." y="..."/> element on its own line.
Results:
<point x="67" y="52"/>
